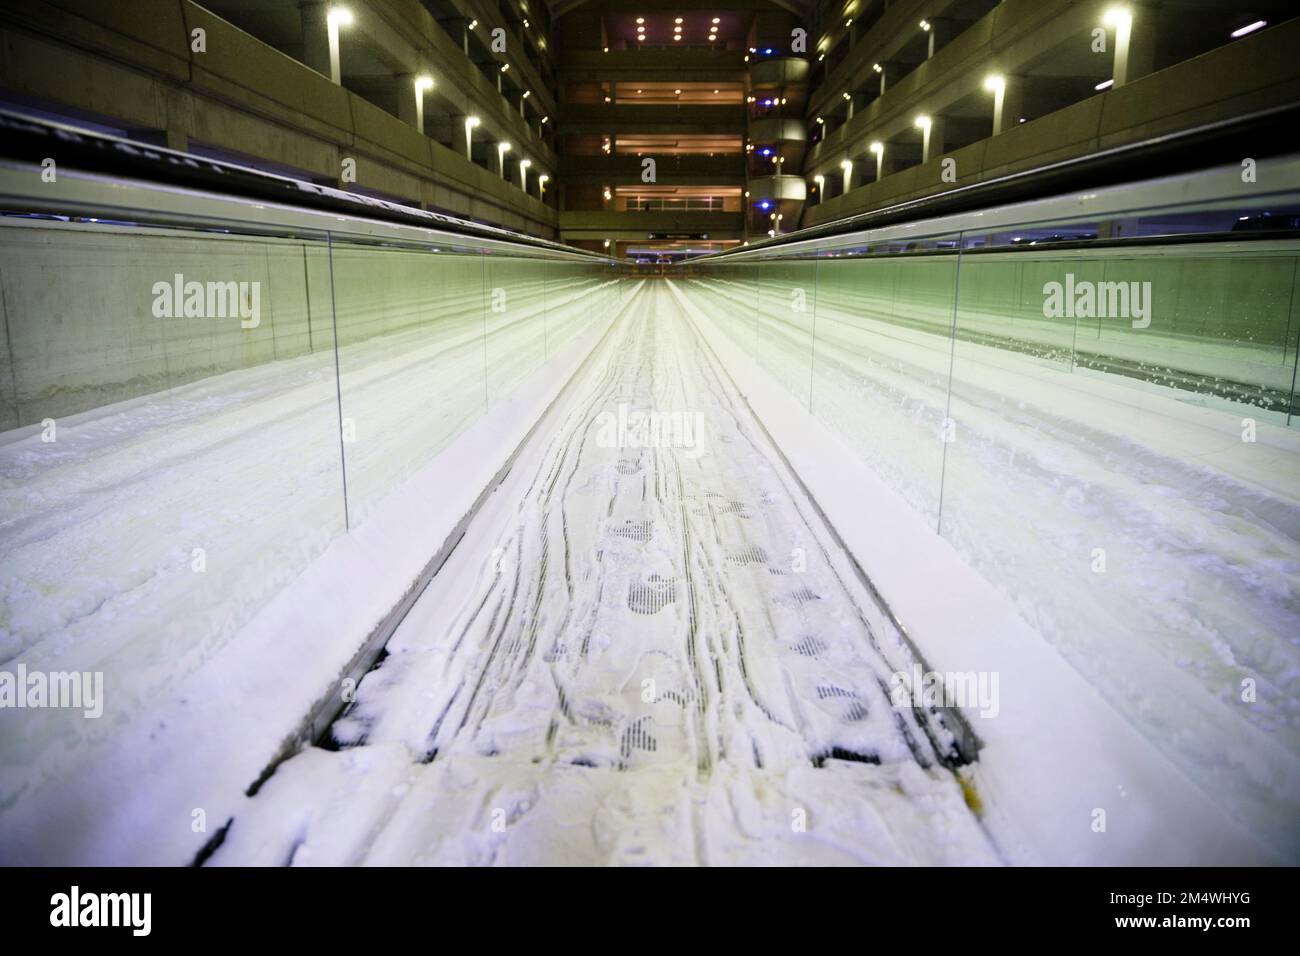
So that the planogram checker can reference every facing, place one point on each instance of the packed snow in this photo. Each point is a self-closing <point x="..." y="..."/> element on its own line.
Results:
<point x="1128" y="522"/>
<point x="647" y="650"/>
<point x="652" y="644"/>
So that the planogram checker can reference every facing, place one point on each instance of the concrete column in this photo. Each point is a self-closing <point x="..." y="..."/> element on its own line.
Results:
<point x="888" y="76"/>
<point x="462" y="137"/>
<point x="315" y="36"/>
<point x="932" y="139"/>
<point x="882" y="160"/>
<point x="1135" y="44"/>
<point x="1008" y="103"/>
<point x="941" y="33"/>
<point x="1142" y="44"/>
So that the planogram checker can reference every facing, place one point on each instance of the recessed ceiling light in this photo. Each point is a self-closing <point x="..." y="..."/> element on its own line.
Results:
<point x="678" y="20"/>
<point x="640" y="19"/>
<point x="678" y="37"/>
<point x="717" y="20"/>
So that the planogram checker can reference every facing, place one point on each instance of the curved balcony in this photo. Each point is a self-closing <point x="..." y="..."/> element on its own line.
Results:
<point x="777" y="130"/>
<point x="781" y="72"/>
<point x="780" y="188"/>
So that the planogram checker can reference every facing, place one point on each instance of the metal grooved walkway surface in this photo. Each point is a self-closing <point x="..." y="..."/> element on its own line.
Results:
<point x="646" y="649"/>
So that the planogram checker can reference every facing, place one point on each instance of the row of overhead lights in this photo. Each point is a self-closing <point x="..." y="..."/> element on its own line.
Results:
<point x="677" y="30"/>
<point x="1114" y="17"/>
<point x="993" y="83"/>
<point x="472" y="122"/>
<point x="342" y="17"/>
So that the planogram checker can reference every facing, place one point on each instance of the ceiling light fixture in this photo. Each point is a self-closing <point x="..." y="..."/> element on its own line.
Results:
<point x="1117" y="16"/>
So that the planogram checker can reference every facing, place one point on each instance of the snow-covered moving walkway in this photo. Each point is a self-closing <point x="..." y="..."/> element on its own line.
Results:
<point x="649" y="647"/>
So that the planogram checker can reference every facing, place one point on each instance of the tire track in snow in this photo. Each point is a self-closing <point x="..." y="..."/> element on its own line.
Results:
<point x="634" y="565"/>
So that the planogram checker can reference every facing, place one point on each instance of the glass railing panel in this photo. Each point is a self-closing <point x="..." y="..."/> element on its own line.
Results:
<point x="1120" y="468"/>
<point x="881" y="367"/>
<point x="514" y="322"/>
<point x="411" y="360"/>
<point x="784" y="335"/>
<point x="170" y="458"/>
